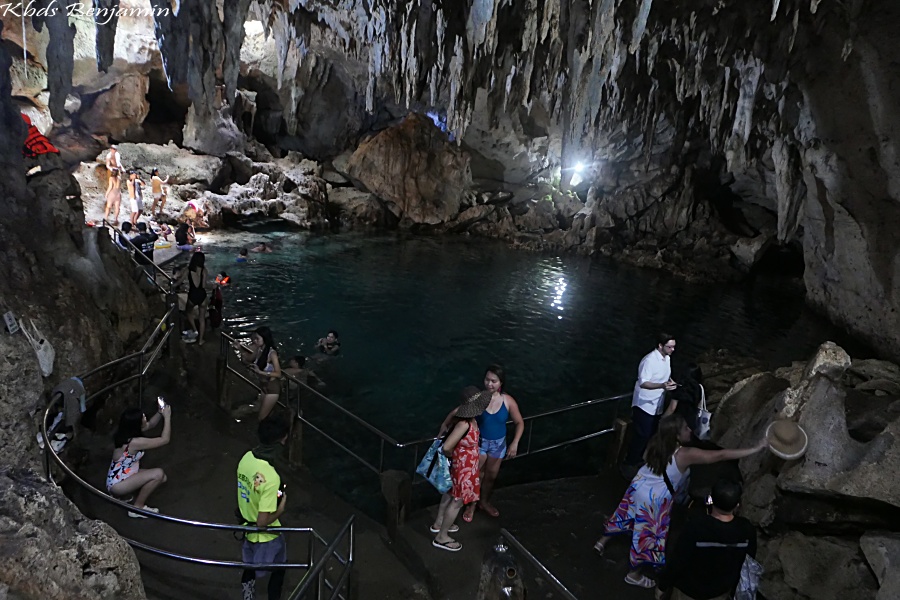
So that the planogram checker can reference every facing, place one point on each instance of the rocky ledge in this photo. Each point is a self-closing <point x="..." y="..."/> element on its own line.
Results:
<point x="831" y="519"/>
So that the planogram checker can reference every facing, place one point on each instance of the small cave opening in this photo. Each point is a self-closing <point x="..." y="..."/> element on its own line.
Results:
<point x="168" y="111"/>
<point x="782" y="260"/>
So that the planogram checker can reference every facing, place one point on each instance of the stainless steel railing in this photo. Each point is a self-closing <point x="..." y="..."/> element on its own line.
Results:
<point x="385" y="441"/>
<point x="544" y="571"/>
<point x="314" y="582"/>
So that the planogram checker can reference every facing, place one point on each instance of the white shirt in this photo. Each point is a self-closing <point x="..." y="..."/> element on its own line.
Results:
<point x="654" y="368"/>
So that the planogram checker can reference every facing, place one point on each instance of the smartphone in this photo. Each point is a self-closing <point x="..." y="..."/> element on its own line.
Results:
<point x="161" y="402"/>
<point x="281" y="491"/>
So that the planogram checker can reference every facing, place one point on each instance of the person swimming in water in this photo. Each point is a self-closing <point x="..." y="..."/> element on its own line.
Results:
<point x="262" y="248"/>
<point x="330" y="344"/>
<point x="242" y="256"/>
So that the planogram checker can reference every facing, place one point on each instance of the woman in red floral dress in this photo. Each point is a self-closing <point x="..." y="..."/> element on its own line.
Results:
<point x="461" y="446"/>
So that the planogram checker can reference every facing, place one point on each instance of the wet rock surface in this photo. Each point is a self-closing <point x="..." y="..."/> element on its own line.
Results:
<point x="843" y="487"/>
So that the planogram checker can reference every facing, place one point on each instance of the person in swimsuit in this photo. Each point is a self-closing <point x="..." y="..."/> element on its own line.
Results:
<point x="263" y="360"/>
<point x="114" y="187"/>
<point x="159" y="192"/>
<point x="125" y="475"/>
<point x="493" y="448"/>
<point x="197" y="296"/>
<point x="184" y="238"/>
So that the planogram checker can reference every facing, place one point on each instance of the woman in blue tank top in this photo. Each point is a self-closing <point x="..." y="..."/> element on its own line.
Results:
<point x="493" y="448"/>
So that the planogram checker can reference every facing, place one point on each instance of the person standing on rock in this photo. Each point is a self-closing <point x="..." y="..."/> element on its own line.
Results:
<point x="261" y="501"/>
<point x="653" y="380"/>
<point x="645" y="509"/>
<point x="135" y="196"/>
<point x="159" y="193"/>
<point x="114" y="187"/>
<point x="706" y="562"/>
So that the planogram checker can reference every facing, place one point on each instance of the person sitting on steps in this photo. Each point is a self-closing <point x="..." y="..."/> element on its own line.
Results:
<point x="125" y="475"/>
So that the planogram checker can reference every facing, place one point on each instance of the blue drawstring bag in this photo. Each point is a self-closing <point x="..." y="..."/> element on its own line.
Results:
<point x="435" y="467"/>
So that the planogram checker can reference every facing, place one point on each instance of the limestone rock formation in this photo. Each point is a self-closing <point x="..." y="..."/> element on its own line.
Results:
<point x="844" y="485"/>
<point x="414" y="166"/>
<point x="51" y="551"/>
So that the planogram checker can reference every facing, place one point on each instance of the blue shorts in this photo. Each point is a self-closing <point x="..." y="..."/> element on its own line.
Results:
<point x="265" y="553"/>
<point x="493" y="448"/>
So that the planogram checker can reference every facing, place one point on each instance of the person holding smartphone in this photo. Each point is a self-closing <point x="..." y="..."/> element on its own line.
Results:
<point x="125" y="475"/>
<point x="261" y="501"/>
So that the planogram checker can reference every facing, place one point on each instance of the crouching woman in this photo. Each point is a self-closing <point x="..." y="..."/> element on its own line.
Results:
<point x="125" y="476"/>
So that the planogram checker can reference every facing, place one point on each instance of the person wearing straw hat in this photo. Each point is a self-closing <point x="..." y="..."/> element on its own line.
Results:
<point x="461" y="445"/>
<point x="786" y="439"/>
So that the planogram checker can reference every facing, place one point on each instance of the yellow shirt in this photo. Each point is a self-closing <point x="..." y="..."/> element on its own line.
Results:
<point x="258" y="485"/>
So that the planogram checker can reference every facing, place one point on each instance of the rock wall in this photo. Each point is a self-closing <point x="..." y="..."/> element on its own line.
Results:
<point x="830" y="518"/>
<point x="78" y="291"/>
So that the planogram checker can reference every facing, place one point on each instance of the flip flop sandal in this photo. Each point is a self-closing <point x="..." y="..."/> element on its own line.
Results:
<point x="467" y="516"/>
<point x="644" y="582"/>
<point x="448" y="546"/>
<point x="453" y="529"/>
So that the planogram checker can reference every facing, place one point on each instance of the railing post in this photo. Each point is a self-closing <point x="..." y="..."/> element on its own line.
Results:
<point x="295" y="445"/>
<point x="140" y="373"/>
<point x="222" y="372"/>
<point x="620" y="426"/>
<point x="396" y="487"/>
<point x="501" y="578"/>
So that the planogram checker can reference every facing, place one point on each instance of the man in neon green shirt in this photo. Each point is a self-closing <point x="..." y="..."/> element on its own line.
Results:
<point x="261" y="500"/>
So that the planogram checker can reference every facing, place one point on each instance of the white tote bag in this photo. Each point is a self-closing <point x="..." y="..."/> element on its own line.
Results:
<point x="703" y="417"/>
<point x="45" y="352"/>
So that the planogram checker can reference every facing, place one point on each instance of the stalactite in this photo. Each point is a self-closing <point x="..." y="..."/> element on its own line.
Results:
<point x="106" y="18"/>
<point x="60" y="55"/>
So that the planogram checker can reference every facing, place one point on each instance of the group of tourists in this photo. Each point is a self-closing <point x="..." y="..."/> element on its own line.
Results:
<point x="135" y="186"/>
<point x="660" y="455"/>
<point x="705" y="564"/>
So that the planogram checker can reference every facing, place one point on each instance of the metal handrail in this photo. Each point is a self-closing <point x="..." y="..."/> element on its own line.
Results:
<point x="314" y="536"/>
<point x="156" y="267"/>
<point x="538" y="564"/>
<point x="314" y="577"/>
<point x="386" y="439"/>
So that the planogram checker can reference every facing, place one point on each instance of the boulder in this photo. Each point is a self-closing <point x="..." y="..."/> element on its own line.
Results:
<point x="120" y="110"/>
<point x="356" y="207"/>
<point x="801" y="567"/>
<point x="415" y="166"/>
<point x="882" y="551"/>
<point x="540" y="216"/>
<point x="50" y="550"/>
<point x="748" y="251"/>
<point x="212" y="133"/>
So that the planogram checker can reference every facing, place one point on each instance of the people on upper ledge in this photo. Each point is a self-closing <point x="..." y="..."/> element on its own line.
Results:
<point x="262" y="247"/>
<point x="159" y="192"/>
<point x="330" y="344"/>
<point x="114" y="187"/>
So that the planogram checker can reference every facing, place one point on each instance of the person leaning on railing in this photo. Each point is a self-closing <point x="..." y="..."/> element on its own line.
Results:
<point x="125" y="475"/>
<point x="262" y="358"/>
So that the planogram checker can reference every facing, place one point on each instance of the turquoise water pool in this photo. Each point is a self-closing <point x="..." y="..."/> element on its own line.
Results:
<point x="420" y="317"/>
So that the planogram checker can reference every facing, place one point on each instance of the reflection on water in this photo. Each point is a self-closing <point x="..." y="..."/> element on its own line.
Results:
<point x="420" y="318"/>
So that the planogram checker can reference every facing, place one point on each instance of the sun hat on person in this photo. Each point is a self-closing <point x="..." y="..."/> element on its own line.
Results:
<point x="474" y="404"/>
<point x="786" y="439"/>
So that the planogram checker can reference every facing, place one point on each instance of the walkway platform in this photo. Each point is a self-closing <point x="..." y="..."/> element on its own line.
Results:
<point x="558" y="521"/>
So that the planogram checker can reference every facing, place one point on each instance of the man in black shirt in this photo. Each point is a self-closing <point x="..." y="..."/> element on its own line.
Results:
<point x="144" y="240"/>
<point x="706" y="562"/>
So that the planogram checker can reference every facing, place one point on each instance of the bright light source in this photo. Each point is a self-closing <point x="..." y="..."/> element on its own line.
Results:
<point x="579" y="168"/>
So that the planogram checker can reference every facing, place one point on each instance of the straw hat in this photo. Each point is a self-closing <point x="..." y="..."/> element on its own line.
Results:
<point x="786" y="439"/>
<point x="474" y="404"/>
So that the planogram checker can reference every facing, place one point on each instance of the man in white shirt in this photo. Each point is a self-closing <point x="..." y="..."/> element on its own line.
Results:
<point x="654" y="379"/>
